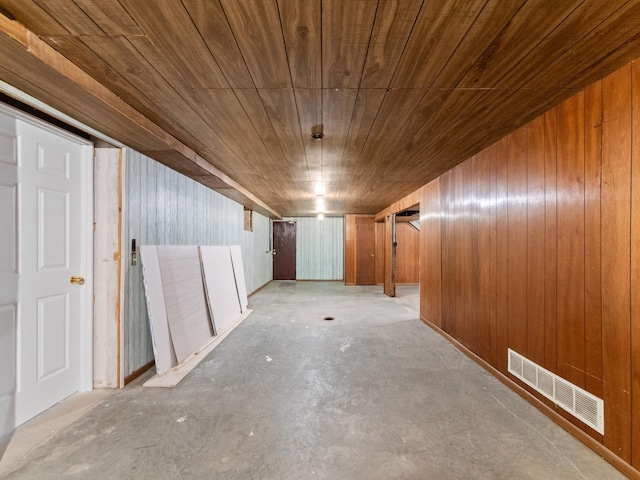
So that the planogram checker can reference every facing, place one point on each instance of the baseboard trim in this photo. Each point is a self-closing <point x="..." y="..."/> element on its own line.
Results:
<point x="590" y="442"/>
<point x="136" y="373"/>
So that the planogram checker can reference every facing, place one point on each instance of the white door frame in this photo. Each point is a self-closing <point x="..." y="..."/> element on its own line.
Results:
<point x="86" y="333"/>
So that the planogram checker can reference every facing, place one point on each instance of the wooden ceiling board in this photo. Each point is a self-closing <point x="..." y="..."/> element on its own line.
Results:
<point x="401" y="89"/>
<point x="110" y="16"/>
<point x="211" y="22"/>
<point x="438" y="31"/>
<point x="280" y="105"/>
<point x="254" y="108"/>
<point x="346" y="29"/>
<point x="309" y="106"/>
<point x="394" y="109"/>
<point x="34" y="17"/>
<point x="394" y="22"/>
<point x="517" y="40"/>
<point x="302" y="36"/>
<point x="220" y="109"/>
<point x="366" y="109"/>
<point x="170" y="27"/>
<point x="337" y="111"/>
<point x="256" y="25"/>
<point x="501" y="106"/>
<point x="149" y="92"/>
<point x="71" y="17"/>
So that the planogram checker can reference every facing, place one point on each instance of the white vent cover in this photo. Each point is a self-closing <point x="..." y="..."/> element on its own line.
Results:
<point x="578" y="402"/>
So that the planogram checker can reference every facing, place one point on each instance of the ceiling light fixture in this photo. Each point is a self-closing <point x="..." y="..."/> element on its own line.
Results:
<point x="321" y="216"/>
<point x="317" y="135"/>
<point x="319" y="189"/>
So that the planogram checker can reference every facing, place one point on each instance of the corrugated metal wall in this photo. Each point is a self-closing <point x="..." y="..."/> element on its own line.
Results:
<point x="319" y="248"/>
<point x="163" y="207"/>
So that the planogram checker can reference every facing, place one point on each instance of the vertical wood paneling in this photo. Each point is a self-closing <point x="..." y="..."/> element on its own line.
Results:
<point x="534" y="244"/>
<point x="486" y="195"/>
<point x="616" y="195"/>
<point x="379" y="253"/>
<point x="570" y="243"/>
<point x="550" y="239"/>
<point x="407" y="253"/>
<point x="502" y="314"/>
<point x="431" y="254"/>
<point x="320" y="248"/>
<point x="517" y="240"/>
<point x="535" y="241"/>
<point x="365" y="250"/>
<point x="635" y="267"/>
<point x="166" y="208"/>
<point x="350" y="249"/>
<point x="592" y="246"/>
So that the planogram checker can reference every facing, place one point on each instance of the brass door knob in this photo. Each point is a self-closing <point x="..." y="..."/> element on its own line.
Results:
<point x="77" y="280"/>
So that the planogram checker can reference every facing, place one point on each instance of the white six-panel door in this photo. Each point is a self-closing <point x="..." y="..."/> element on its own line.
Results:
<point x="51" y="242"/>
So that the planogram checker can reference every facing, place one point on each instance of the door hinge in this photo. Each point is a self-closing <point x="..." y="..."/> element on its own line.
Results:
<point x="94" y="226"/>
<point x="94" y="299"/>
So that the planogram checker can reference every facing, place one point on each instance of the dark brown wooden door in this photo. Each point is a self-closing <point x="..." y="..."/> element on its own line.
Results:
<point x="284" y="250"/>
<point x="365" y="251"/>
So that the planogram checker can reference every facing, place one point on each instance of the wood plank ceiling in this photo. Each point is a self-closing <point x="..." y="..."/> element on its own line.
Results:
<point x="402" y="89"/>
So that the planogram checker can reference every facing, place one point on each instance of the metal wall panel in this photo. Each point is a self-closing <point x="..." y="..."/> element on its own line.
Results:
<point x="320" y="248"/>
<point x="163" y="207"/>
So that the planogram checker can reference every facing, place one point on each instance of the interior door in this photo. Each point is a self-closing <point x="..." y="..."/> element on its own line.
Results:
<point x="284" y="250"/>
<point x="365" y="251"/>
<point x="9" y="252"/>
<point x="52" y="245"/>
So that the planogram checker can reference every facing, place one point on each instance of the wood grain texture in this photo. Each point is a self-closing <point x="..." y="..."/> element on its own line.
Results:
<point x="550" y="242"/>
<point x="616" y="295"/>
<point x="365" y="250"/>
<point x="350" y="249"/>
<point x="431" y="254"/>
<point x="570" y="243"/>
<point x="593" y="247"/>
<point x="346" y="29"/>
<point x="407" y="254"/>
<point x="403" y="89"/>
<point x="635" y="265"/>
<point x="517" y="240"/>
<point x="380" y="262"/>
<point x="487" y="253"/>
<point x="536" y="240"/>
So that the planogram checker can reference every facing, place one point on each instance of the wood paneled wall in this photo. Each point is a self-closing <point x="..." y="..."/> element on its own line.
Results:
<point x="407" y="254"/>
<point x="534" y="244"/>
<point x="163" y="207"/>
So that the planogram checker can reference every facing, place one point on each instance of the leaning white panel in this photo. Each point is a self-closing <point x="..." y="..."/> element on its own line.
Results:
<point x="163" y="350"/>
<point x="238" y="270"/>
<point x="184" y="299"/>
<point x="221" y="286"/>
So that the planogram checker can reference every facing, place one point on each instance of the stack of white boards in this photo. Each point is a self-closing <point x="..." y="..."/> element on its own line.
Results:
<point x="195" y="296"/>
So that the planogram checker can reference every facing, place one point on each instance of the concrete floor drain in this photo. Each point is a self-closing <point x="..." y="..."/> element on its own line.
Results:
<point x="329" y="318"/>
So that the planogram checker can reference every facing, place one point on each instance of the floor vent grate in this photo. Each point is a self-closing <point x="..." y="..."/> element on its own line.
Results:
<point x="578" y="402"/>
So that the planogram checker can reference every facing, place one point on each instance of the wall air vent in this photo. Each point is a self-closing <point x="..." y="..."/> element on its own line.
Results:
<point x="578" y="402"/>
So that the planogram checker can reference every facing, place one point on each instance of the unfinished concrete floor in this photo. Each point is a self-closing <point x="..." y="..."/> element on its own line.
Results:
<point x="373" y="394"/>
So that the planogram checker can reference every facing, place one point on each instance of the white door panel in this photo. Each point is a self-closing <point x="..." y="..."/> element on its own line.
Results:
<point x="8" y="271"/>
<point x="50" y="323"/>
